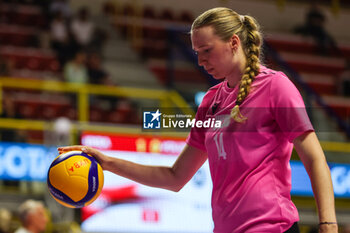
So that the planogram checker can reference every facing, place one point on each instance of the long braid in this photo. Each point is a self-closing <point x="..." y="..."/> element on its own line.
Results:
<point x="251" y="39"/>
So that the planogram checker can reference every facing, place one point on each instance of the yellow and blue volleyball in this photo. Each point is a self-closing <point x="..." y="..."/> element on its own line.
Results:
<point x="75" y="179"/>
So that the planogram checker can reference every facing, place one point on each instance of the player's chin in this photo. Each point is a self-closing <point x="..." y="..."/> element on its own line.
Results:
<point x="217" y="76"/>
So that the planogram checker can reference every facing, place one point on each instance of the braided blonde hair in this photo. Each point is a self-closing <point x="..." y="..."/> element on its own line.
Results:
<point x="227" y="23"/>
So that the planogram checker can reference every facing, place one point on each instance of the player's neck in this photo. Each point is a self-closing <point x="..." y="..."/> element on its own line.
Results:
<point x="235" y="77"/>
<point x="239" y="64"/>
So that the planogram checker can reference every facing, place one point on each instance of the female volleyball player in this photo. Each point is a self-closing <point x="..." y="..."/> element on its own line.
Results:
<point x="263" y="116"/>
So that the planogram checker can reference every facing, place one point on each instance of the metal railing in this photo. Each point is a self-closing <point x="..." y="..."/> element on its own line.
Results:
<point x="164" y="98"/>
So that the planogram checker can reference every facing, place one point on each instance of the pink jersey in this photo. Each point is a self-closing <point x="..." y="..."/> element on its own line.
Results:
<point x="249" y="162"/>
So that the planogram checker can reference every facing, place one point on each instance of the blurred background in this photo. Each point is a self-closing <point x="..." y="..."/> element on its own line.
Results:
<point x="82" y="71"/>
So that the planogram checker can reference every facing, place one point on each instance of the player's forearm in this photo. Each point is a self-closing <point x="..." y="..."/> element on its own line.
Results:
<point x="155" y="176"/>
<point x="323" y="190"/>
<point x="312" y="156"/>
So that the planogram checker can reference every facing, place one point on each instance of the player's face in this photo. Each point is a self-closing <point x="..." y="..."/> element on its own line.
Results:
<point x="214" y="54"/>
<point x="38" y="219"/>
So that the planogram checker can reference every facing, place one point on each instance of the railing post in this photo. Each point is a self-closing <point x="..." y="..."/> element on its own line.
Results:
<point x="83" y="104"/>
<point x="170" y="60"/>
<point x="1" y="99"/>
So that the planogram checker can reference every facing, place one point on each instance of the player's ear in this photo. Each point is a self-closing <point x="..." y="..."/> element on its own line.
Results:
<point x="234" y="42"/>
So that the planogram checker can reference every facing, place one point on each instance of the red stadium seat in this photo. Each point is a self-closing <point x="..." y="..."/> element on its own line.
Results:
<point x="340" y="104"/>
<point x="323" y="84"/>
<point x="97" y="115"/>
<point x="35" y="136"/>
<point x="33" y="63"/>
<point x="128" y="10"/>
<point x="49" y="111"/>
<point x="167" y="14"/>
<point x="186" y="17"/>
<point x="28" y="110"/>
<point x="30" y="58"/>
<point x="69" y="112"/>
<point x="313" y="63"/>
<point x="181" y="74"/>
<point x="148" y="12"/>
<point x="54" y="65"/>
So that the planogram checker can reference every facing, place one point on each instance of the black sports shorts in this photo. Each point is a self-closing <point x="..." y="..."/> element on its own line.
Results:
<point x="293" y="229"/>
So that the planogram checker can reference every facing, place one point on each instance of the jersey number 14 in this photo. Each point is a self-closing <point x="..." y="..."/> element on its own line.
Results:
<point x="219" y="142"/>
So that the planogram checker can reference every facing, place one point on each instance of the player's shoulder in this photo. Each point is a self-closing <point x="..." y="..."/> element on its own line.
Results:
<point x="269" y="73"/>
<point x="278" y="82"/>
<point x="271" y="76"/>
<point x="210" y="95"/>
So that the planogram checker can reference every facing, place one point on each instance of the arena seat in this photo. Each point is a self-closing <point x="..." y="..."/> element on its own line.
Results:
<point x="298" y="44"/>
<point x="30" y="58"/>
<point x="314" y="63"/>
<point x="148" y="12"/>
<point x="153" y="25"/>
<point x="49" y="111"/>
<point x="35" y="136"/>
<point x="70" y="112"/>
<point x="97" y="114"/>
<point x="340" y="104"/>
<point x="184" y="73"/>
<point x="34" y="74"/>
<point x="17" y="35"/>
<point x="28" y="109"/>
<point x="186" y="17"/>
<point x="324" y="84"/>
<point x="290" y="43"/>
<point x="33" y="105"/>
<point x="167" y="14"/>
<point x="27" y="15"/>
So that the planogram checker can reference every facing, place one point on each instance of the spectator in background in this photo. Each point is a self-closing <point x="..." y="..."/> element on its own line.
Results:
<point x="82" y="29"/>
<point x="5" y="220"/>
<point x="314" y="27"/>
<point x="75" y="71"/>
<point x="60" y="6"/>
<point x="59" y="35"/>
<point x="104" y="28"/>
<point x="33" y="217"/>
<point x="97" y="74"/>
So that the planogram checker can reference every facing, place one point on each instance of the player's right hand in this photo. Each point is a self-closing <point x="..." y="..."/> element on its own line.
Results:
<point x="98" y="155"/>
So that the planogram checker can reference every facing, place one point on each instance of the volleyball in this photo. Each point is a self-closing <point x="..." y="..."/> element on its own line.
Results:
<point x="75" y="179"/>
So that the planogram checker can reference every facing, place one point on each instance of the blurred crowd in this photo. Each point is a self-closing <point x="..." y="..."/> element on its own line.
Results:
<point x="78" y="42"/>
<point x="31" y="216"/>
<point x="77" y="39"/>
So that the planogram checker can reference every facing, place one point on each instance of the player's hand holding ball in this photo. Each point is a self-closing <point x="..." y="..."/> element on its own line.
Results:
<point x="75" y="178"/>
<point x="99" y="156"/>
